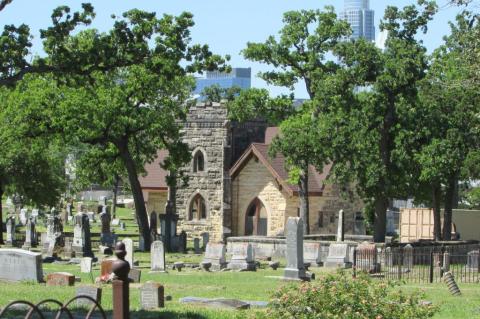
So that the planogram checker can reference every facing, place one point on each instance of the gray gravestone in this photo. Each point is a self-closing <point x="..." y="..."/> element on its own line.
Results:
<point x="30" y="235"/>
<point x="367" y="257"/>
<point x="205" y="239"/>
<point x="90" y="291"/>
<point x="23" y="216"/>
<point x="18" y="265"/>
<point x="134" y="275"/>
<point x="106" y="237"/>
<point x="408" y="257"/>
<point x="312" y="254"/>
<point x="341" y="227"/>
<point x="10" y="231"/>
<point x="295" y="269"/>
<point x="243" y="257"/>
<point x="157" y="255"/>
<point x="82" y="242"/>
<point x="86" y="265"/>
<point x="54" y="236"/>
<point x="129" y="248"/>
<point x="151" y="296"/>
<point x="473" y="260"/>
<point x="215" y="255"/>
<point x="196" y="246"/>
<point x="338" y="256"/>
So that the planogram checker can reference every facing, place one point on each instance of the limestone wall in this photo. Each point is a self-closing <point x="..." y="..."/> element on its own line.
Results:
<point x="155" y="201"/>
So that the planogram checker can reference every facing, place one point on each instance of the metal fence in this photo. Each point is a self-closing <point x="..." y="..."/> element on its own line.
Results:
<point x="420" y="264"/>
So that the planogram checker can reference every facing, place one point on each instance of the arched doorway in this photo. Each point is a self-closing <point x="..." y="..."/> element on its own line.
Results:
<point x="256" y="219"/>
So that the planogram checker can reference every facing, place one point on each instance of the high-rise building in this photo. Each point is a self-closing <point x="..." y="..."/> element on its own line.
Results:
<point x="361" y="18"/>
<point x="241" y="77"/>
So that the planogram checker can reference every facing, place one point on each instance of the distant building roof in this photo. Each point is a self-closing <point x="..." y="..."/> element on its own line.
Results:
<point x="155" y="175"/>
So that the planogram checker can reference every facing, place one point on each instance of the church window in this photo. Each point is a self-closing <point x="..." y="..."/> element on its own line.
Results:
<point x="198" y="209"/>
<point x="198" y="162"/>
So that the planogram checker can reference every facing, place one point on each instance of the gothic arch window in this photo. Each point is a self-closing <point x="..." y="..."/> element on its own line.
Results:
<point x="256" y="219"/>
<point x="197" y="209"/>
<point x="198" y="162"/>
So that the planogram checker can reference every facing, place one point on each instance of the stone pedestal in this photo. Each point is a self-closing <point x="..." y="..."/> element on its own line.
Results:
<point x="243" y="258"/>
<point x="338" y="256"/>
<point x="215" y="255"/>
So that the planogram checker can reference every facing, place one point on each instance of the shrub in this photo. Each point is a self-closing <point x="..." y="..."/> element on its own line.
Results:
<point x="340" y="296"/>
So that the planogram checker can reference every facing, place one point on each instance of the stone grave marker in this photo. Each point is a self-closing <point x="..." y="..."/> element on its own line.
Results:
<point x="106" y="237"/>
<point x="295" y="269"/>
<point x="30" y="235"/>
<point x="205" y="239"/>
<point x="90" y="291"/>
<point x="408" y="257"/>
<point x="129" y="248"/>
<point x="23" y="216"/>
<point x="134" y="275"/>
<point x="473" y="258"/>
<point x="215" y="255"/>
<point x="312" y="254"/>
<point x="106" y="268"/>
<point x="243" y="257"/>
<point x="35" y="212"/>
<point x="152" y="296"/>
<point x="338" y="256"/>
<point x="115" y="222"/>
<point x="86" y="265"/>
<point x="341" y="227"/>
<point x="82" y="242"/>
<point x="10" y="224"/>
<point x="157" y="256"/>
<point x="60" y="279"/>
<point x="54" y="236"/>
<point x="196" y="246"/>
<point x="18" y="265"/>
<point x="153" y="226"/>
<point x="367" y="257"/>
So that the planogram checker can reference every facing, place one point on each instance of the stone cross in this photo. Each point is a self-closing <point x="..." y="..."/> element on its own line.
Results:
<point x="295" y="269"/>
<point x="129" y="250"/>
<point x="157" y="255"/>
<point x="82" y="244"/>
<point x="340" y="227"/>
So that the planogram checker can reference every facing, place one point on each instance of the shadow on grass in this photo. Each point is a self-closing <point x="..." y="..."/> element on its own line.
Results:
<point x="157" y="314"/>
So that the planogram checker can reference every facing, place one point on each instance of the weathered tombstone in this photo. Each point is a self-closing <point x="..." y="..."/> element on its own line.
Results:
<point x="367" y="257"/>
<point x="82" y="244"/>
<point x="60" y="279"/>
<point x="341" y="227"/>
<point x="106" y="269"/>
<point x="205" y="239"/>
<point x="215" y="255"/>
<point x="196" y="246"/>
<point x="134" y="275"/>
<point x="10" y="231"/>
<point x="295" y="269"/>
<point x="23" y="216"/>
<point x="91" y="217"/>
<point x="473" y="260"/>
<point x="408" y="257"/>
<point x="19" y="265"/>
<point x="141" y="243"/>
<point x="157" y="255"/>
<point x="151" y="296"/>
<point x="129" y="248"/>
<point x="54" y="236"/>
<point x="90" y="291"/>
<point x="338" y="256"/>
<point x="115" y="222"/>
<point x="30" y="235"/>
<point x="388" y="257"/>
<point x="312" y="254"/>
<point x="243" y="257"/>
<point x="106" y="236"/>
<point x="86" y="265"/>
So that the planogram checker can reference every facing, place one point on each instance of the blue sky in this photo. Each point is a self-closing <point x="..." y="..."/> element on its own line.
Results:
<point x="226" y="25"/>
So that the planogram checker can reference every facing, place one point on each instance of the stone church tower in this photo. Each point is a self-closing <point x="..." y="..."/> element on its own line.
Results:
<point x="204" y="205"/>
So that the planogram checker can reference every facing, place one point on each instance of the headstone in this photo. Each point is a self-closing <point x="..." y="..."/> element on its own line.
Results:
<point x="367" y="257"/>
<point x="153" y="226"/>
<point x="82" y="244"/>
<point x="86" y="265"/>
<point x="30" y="235"/>
<point x="10" y="231"/>
<point x="141" y="243"/>
<point x="473" y="260"/>
<point x="338" y="256"/>
<point x="243" y="257"/>
<point x="35" y="212"/>
<point x="215" y="254"/>
<point x="23" y="216"/>
<point x="178" y="265"/>
<point x="106" y="237"/>
<point x="340" y="227"/>
<point x="60" y="279"/>
<point x="151" y="296"/>
<point x="90" y="291"/>
<point x="408" y="257"/>
<point x="115" y="222"/>
<point x="196" y="246"/>
<point x="205" y="239"/>
<point x="295" y="269"/>
<point x="122" y="226"/>
<point x="274" y="264"/>
<point x="106" y="269"/>
<point x="19" y="265"/>
<point x="312" y="254"/>
<point x="129" y="248"/>
<point x="54" y="237"/>
<point x="157" y="255"/>
<point x="134" y="275"/>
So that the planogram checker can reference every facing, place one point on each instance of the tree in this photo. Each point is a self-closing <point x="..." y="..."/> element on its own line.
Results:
<point x="126" y="114"/>
<point x="215" y="93"/>
<point x="300" y="54"/>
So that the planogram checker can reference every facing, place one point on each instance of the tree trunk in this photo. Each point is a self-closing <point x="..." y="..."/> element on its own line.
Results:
<point x="115" y="195"/>
<point x="447" y="214"/>
<point x="1" y="215"/>
<point x="140" y="209"/>
<point x="380" y="224"/>
<point x="303" y="196"/>
<point x="436" y="197"/>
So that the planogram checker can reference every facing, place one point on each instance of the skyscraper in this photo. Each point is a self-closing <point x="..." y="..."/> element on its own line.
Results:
<point x="241" y="77"/>
<point x="361" y="18"/>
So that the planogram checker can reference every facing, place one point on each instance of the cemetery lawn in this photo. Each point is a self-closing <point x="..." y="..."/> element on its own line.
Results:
<point x="256" y="286"/>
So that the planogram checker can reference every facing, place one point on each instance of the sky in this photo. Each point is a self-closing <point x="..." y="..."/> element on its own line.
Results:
<point x="225" y="25"/>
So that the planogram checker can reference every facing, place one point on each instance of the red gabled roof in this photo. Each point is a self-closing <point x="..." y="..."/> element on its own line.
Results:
<point x="276" y="166"/>
<point x="155" y="175"/>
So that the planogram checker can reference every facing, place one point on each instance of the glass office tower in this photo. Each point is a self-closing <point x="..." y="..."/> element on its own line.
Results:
<point x="361" y="18"/>
<point x="241" y="77"/>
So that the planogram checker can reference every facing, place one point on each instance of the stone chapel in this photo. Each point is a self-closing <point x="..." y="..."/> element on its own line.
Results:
<point x="235" y="188"/>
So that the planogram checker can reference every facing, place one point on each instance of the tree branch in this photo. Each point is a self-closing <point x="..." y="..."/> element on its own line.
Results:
<point x="4" y="3"/>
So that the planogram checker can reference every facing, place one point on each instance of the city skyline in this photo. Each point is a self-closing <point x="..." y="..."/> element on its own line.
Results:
<point x="361" y="18"/>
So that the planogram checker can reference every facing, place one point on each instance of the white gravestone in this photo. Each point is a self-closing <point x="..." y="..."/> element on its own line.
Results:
<point x="129" y="248"/>
<point x="157" y="255"/>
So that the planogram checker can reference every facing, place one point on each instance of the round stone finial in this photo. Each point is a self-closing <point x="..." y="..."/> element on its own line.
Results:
<point x="120" y="267"/>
